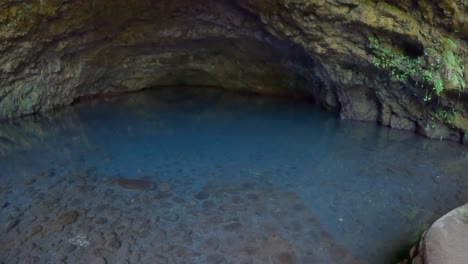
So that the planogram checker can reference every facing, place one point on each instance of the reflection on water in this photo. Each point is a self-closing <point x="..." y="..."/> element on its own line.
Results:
<point x="201" y="176"/>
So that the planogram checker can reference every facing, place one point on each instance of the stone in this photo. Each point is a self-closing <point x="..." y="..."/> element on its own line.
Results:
<point x="179" y="200"/>
<point x="215" y="259"/>
<point x="103" y="253"/>
<point x="202" y="195"/>
<point x="446" y="241"/>
<point x="112" y="215"/>
<point x="86" y="189"/>
<point x="299" y="207"/>
<point x="79" y="240"/>
<point x="101" y="220"/>
<point x="69" y="248"/>
<point x="32" y="231"/>
<point x="113" y="242"/>
<point x="285" y="258"/>
<point x="31" y="181"/>
<point x="169" y="216"/>
<point x="236" y="199"/>
<point x="252" y="197"/>
<point x="135" y="258"/>
<point x="155" y="258"/>
<point x="98" y="260"/>
<point x="208" y="205"/>
<point x="30" y="259"/>
<point x="162" y="195"/>
<point x="211" y="244"/>
<point x="12" y="223"/>
<point x="66" y="218"/>
<point x="233" y="227"/>
<point x="137" y="184"/>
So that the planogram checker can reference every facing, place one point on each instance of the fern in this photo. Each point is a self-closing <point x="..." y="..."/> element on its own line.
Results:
<point x="453" y="71"/>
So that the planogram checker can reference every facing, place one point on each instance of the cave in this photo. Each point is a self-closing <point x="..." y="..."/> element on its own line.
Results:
<point x="102" y="48"/>
<point x="233" y="131"/>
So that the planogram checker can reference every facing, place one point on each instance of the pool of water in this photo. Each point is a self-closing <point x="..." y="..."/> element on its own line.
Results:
<point x="192" y="175"/>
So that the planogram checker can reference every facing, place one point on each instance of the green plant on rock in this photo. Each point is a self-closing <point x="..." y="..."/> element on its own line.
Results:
<point x="445" y="116"/>
<point x="432" y="71"/>
<point x="438" y="85"/>
<point x="427" y="97"/>
<point x="453" y="68"/>
<point x="400" y="66"/>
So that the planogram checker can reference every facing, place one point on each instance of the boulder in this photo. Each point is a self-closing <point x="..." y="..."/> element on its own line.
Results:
<point x="446" y="241"/>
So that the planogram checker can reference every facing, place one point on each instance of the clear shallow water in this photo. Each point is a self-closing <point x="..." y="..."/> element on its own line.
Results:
<point x="251" y="180"/>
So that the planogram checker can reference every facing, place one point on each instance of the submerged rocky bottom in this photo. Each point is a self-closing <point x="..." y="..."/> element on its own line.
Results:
<point x="94" y="220"/>
<point x="202" y="176"/>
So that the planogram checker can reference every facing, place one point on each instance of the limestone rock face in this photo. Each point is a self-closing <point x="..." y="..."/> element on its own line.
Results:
<point x="400" y="63"/>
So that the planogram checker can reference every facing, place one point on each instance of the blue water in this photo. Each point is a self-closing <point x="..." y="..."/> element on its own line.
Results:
<point x="290" y="182"/>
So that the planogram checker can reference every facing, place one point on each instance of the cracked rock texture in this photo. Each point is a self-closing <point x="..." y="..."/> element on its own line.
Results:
<point x="54" y="53"/>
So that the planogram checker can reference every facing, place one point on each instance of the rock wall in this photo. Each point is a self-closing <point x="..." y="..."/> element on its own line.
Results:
<point x="400" y="63"/>
<point x="339" y="34"/>
<point x="55" y="52"/>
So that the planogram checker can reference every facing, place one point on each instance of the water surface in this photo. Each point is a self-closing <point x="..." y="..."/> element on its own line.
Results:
<point x="236" y="179"/>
